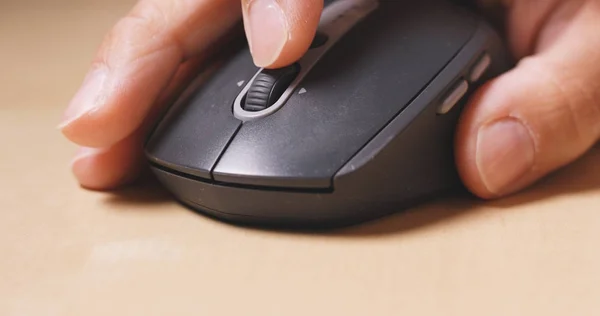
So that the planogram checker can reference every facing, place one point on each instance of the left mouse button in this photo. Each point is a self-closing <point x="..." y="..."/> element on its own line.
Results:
<point x="198" y="127"/>
<point x="194" y="140"/>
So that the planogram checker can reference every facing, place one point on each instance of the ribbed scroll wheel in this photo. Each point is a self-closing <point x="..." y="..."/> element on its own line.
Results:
<point x="268" y="87"/>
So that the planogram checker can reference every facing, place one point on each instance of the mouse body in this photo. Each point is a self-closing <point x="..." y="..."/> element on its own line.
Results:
<point x="362" y="126"/>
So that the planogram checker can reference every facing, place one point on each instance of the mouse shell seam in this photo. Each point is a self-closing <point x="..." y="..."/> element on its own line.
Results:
<point x="349" y="202"/>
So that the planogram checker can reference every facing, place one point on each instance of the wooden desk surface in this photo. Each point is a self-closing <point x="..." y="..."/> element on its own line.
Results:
<point x="65" y="251"/>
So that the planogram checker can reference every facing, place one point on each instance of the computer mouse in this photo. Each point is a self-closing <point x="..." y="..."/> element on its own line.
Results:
<point x="360" y="127"/>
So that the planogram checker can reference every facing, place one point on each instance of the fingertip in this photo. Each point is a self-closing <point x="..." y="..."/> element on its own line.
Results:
<point x="522" y="126"/>
<point x="304" y="19"/>
<point x="465" y="145"/>
<point x="100" y="128"/>
<point x="107" y="169"/>
<point x="495" y="147"/>
<point x="83" y="169"/>
<point x="101" y="117"/>
<point x="280" y="32"/>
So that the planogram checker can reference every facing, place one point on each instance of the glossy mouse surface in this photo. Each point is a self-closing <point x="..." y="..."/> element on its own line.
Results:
<point x="360" y="127"/>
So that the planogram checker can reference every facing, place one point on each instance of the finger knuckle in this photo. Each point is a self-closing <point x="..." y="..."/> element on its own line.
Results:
<point x="578" y="99"/>
<point x="140" y="33"/>
<point x="149" y="15"/>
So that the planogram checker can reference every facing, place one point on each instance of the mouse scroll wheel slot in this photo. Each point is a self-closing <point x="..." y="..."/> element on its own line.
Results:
<point x="268" y="87"/>
<point x="319" y="40"/>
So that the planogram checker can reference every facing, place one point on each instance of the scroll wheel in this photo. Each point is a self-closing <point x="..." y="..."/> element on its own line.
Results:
<point x="268" y="87"/>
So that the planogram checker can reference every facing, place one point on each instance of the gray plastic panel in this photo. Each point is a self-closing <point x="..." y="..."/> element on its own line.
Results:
<point x="351" y="94"/>
<point x="386" y="176"/>
<point x="413" y="155"/>
<point x="194" y="133"/>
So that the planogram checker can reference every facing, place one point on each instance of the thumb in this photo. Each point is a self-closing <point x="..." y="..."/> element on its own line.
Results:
<point x="280" y="31"/>
<point x="540" y="116"/>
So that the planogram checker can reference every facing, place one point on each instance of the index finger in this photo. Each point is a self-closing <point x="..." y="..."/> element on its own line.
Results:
<point x="136" y="62"/>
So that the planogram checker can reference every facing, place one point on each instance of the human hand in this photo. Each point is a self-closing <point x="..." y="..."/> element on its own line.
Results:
<point x="543" y="114"/>
<point x="150" y="55"/>
<point x="519" y="127"/>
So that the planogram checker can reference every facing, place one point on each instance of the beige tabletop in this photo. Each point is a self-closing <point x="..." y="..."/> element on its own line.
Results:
<point x="66" y="251"/>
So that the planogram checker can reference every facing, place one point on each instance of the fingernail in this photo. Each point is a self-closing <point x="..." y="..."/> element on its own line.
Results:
<point x="87" y="98"/>
<point x="268" y="31"/>
<point x="505" y="153"/>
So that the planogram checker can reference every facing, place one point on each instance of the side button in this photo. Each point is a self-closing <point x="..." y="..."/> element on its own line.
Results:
<point x="454" y="96"/>
<point x="480" y="68"/>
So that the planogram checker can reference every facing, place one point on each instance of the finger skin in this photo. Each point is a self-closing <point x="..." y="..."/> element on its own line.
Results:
<point x="98" y="169"/>
<point x="301" y="22"/>
<point x="554" y="95"/>
<point x="122" y="163"/>
<point x="136" y="63"/>
<point x="525" y="20"/>
<point x="137" y="60"/>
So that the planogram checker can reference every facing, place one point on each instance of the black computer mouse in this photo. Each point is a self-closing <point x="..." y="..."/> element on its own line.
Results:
<point x="362" y="126"/>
